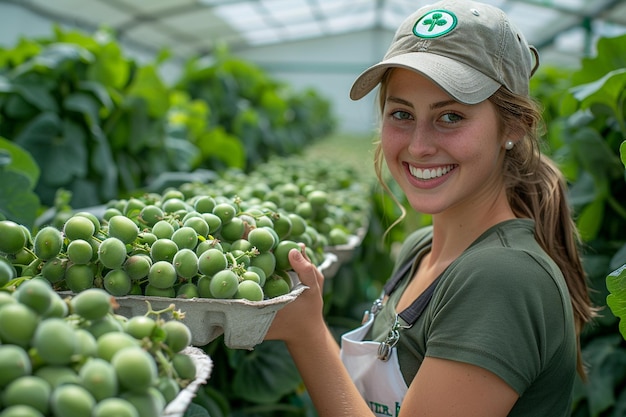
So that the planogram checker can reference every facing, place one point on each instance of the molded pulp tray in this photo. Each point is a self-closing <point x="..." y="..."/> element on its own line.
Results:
<point x="243" y="323"/>
<point x="204" y="365"/>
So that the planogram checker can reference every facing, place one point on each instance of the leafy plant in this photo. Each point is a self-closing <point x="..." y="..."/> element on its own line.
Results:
<point x="586" y="128"/>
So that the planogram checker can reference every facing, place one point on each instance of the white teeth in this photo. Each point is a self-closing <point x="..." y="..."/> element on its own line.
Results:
<point x="426" y="174"/>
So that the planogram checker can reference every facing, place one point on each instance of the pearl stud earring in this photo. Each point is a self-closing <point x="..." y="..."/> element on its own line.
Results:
<point x="509" y="145"/>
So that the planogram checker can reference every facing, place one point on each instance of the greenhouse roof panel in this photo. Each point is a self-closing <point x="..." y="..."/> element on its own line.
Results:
<point x="192" y="27"/>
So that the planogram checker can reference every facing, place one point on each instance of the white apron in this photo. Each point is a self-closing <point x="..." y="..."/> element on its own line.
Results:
<point x="380" y="382"/>
<point x="374" y="366"/>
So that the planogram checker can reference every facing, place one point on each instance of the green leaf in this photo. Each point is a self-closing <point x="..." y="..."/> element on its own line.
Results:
<point x="590" y="220"/>
<point x="17" y="200"/>
<point x="606" y="368"/>
<point x="266" y="374"/>
<point x="622" y="153"/>
<point x="36" y="93"/>
<point x="58" y="147"/>
<point x="195" y="410"/>
<point x="607" y="90"/>
<point x="21" y="161"/>
<point x="86" y="105"/>
<point x="616" y="300"/>
<point x="148" y="85"/>
<point x="220" y="145"/>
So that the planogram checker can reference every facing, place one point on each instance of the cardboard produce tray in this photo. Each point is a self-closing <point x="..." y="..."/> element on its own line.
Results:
<point x="204" y="366"/>
<point x="243" y="323"/>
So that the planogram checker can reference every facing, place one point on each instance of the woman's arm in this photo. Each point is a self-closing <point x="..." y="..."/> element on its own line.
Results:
<point x="446" y="388"/>
<point x="441" y="388"/>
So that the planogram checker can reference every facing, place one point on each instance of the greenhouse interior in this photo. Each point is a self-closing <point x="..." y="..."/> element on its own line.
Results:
<point x="160" y="160"/>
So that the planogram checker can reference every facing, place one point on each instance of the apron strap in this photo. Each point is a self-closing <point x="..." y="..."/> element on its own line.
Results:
<point x="412" y="312"/>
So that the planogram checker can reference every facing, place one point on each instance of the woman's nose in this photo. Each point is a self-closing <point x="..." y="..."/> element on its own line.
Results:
<point x="422" y="141"/>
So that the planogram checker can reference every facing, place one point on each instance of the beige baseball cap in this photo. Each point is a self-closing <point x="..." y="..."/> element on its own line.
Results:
<point x="468" y="48"/>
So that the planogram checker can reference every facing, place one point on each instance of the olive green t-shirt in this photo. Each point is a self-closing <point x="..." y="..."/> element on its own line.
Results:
<point x="502" y="305"/>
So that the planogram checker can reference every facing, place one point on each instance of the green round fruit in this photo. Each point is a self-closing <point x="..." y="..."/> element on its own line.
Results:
<point x="99" y="378"/>
<point x="233" y="230"/>
<point x="187" y="291"/>
<point x="178" y="335"/>
<point x="204" y="204"/>
<point x="107" y="324"/>
<point x="224" y="284"/>
<point x="135" y="368"/>
<point x="199" y="225"/>
<point x="92" y="218"/>
<point x="147" y="404"/>
<point x="184" y="366"/>
<point x="117" y="407"/>
<point x="117" y="282"/>
<point x="211" y="262"/>
<point x="168" y="387"/>
<point x="140" y="327"/>
<point x="112" y="253"/>
<point x="163" y="229"/>
<point x="250" y="290"/>
<point x="72" y="401"/>
<point x="17" y="324"/>
<point x="204" y="287"/>
<point x="78" y="227"/>
<point x="162" y="275"/>
<point x="137" y="266"/>
<point x="265" y="261"/>
<point x="214" y="222"/>
<point x="110" y="343"/>
<point x="54" y="269"/>
<point x="57" y="375"/>
<point x="185" y="237"/>
<point x="79" y="251"/>
<point x="55" y="342"/>
<point x="28" y="390"/>
<point x="152" y="291"/>
<point x="150" y="215"/>
<point x="163" y="249"/>
<point x="186" y="263"/>
<point x="92" y="304"/>
<point x="281" y="253"/>
<point x="14" y="363"/>
<point x="47" y="243"/>
<point x="35" y="294"/>
<point x="262" y="239"/>
<point x="282" y="226"/>
<point x="79" y="277"/>
<point x="13" y="237"/>
<point x="21" y="410"/>
<point x="123" y="228"/>
<point x="275" y="286"/>
<point x="225" y="211"/>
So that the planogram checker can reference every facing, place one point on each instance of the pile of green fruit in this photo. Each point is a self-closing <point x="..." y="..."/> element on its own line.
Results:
<point x="166" y="245"/>
<point x="74" y="357"/>
<point x="329" y="197"/>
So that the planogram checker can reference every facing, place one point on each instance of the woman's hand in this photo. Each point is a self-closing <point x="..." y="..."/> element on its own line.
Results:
<point x="302" y="317"/>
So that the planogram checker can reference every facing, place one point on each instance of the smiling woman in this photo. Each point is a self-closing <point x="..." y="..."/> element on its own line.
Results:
<point x="483" y="312"/>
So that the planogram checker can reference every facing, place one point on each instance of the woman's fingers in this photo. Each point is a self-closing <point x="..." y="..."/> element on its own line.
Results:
<point x="307" y="272"/>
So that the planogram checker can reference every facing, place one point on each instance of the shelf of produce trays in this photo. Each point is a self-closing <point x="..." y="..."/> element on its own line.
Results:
<point x="341" y="254"/>
<point x="243" y="323"/>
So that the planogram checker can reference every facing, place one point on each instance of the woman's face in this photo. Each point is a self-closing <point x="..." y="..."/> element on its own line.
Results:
<point x="446" y="156"/>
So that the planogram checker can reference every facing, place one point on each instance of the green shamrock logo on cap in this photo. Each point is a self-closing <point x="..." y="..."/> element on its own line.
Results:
<point x="434" y="24"/>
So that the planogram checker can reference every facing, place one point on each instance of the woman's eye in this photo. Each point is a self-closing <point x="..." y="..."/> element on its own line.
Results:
<point x="401" y="115"/>
<point x="451" y="118"/>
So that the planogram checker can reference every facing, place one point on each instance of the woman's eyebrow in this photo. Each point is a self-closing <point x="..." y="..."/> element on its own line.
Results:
<point x="433" y="106"/>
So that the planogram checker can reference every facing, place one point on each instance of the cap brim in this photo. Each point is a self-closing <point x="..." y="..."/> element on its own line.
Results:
<point x="462" y="82"/>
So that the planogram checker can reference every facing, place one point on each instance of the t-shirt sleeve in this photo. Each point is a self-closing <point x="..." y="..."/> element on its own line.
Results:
<point x="494" y="310"/>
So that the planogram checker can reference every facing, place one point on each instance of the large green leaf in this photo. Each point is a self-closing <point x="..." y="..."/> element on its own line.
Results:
<point x="265" y="374"/>
<point x="36" y="92"/>
<point x="590" y="220"/>
<point x="606" y="362"/>
<point x="17" y="200"/>
<point x="148" y="85"/>
<point x="608" y="91"/>
<point x="616" y="300"/>
<point x="611" y="54"/>
<point x="58" y="147"/>
<point x="21" y="161"/>
<point x="85" y="105"/>
<point x="56" y="58"/>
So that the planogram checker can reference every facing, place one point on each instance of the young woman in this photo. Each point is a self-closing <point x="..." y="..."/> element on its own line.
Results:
<point x="483" y="312"/>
